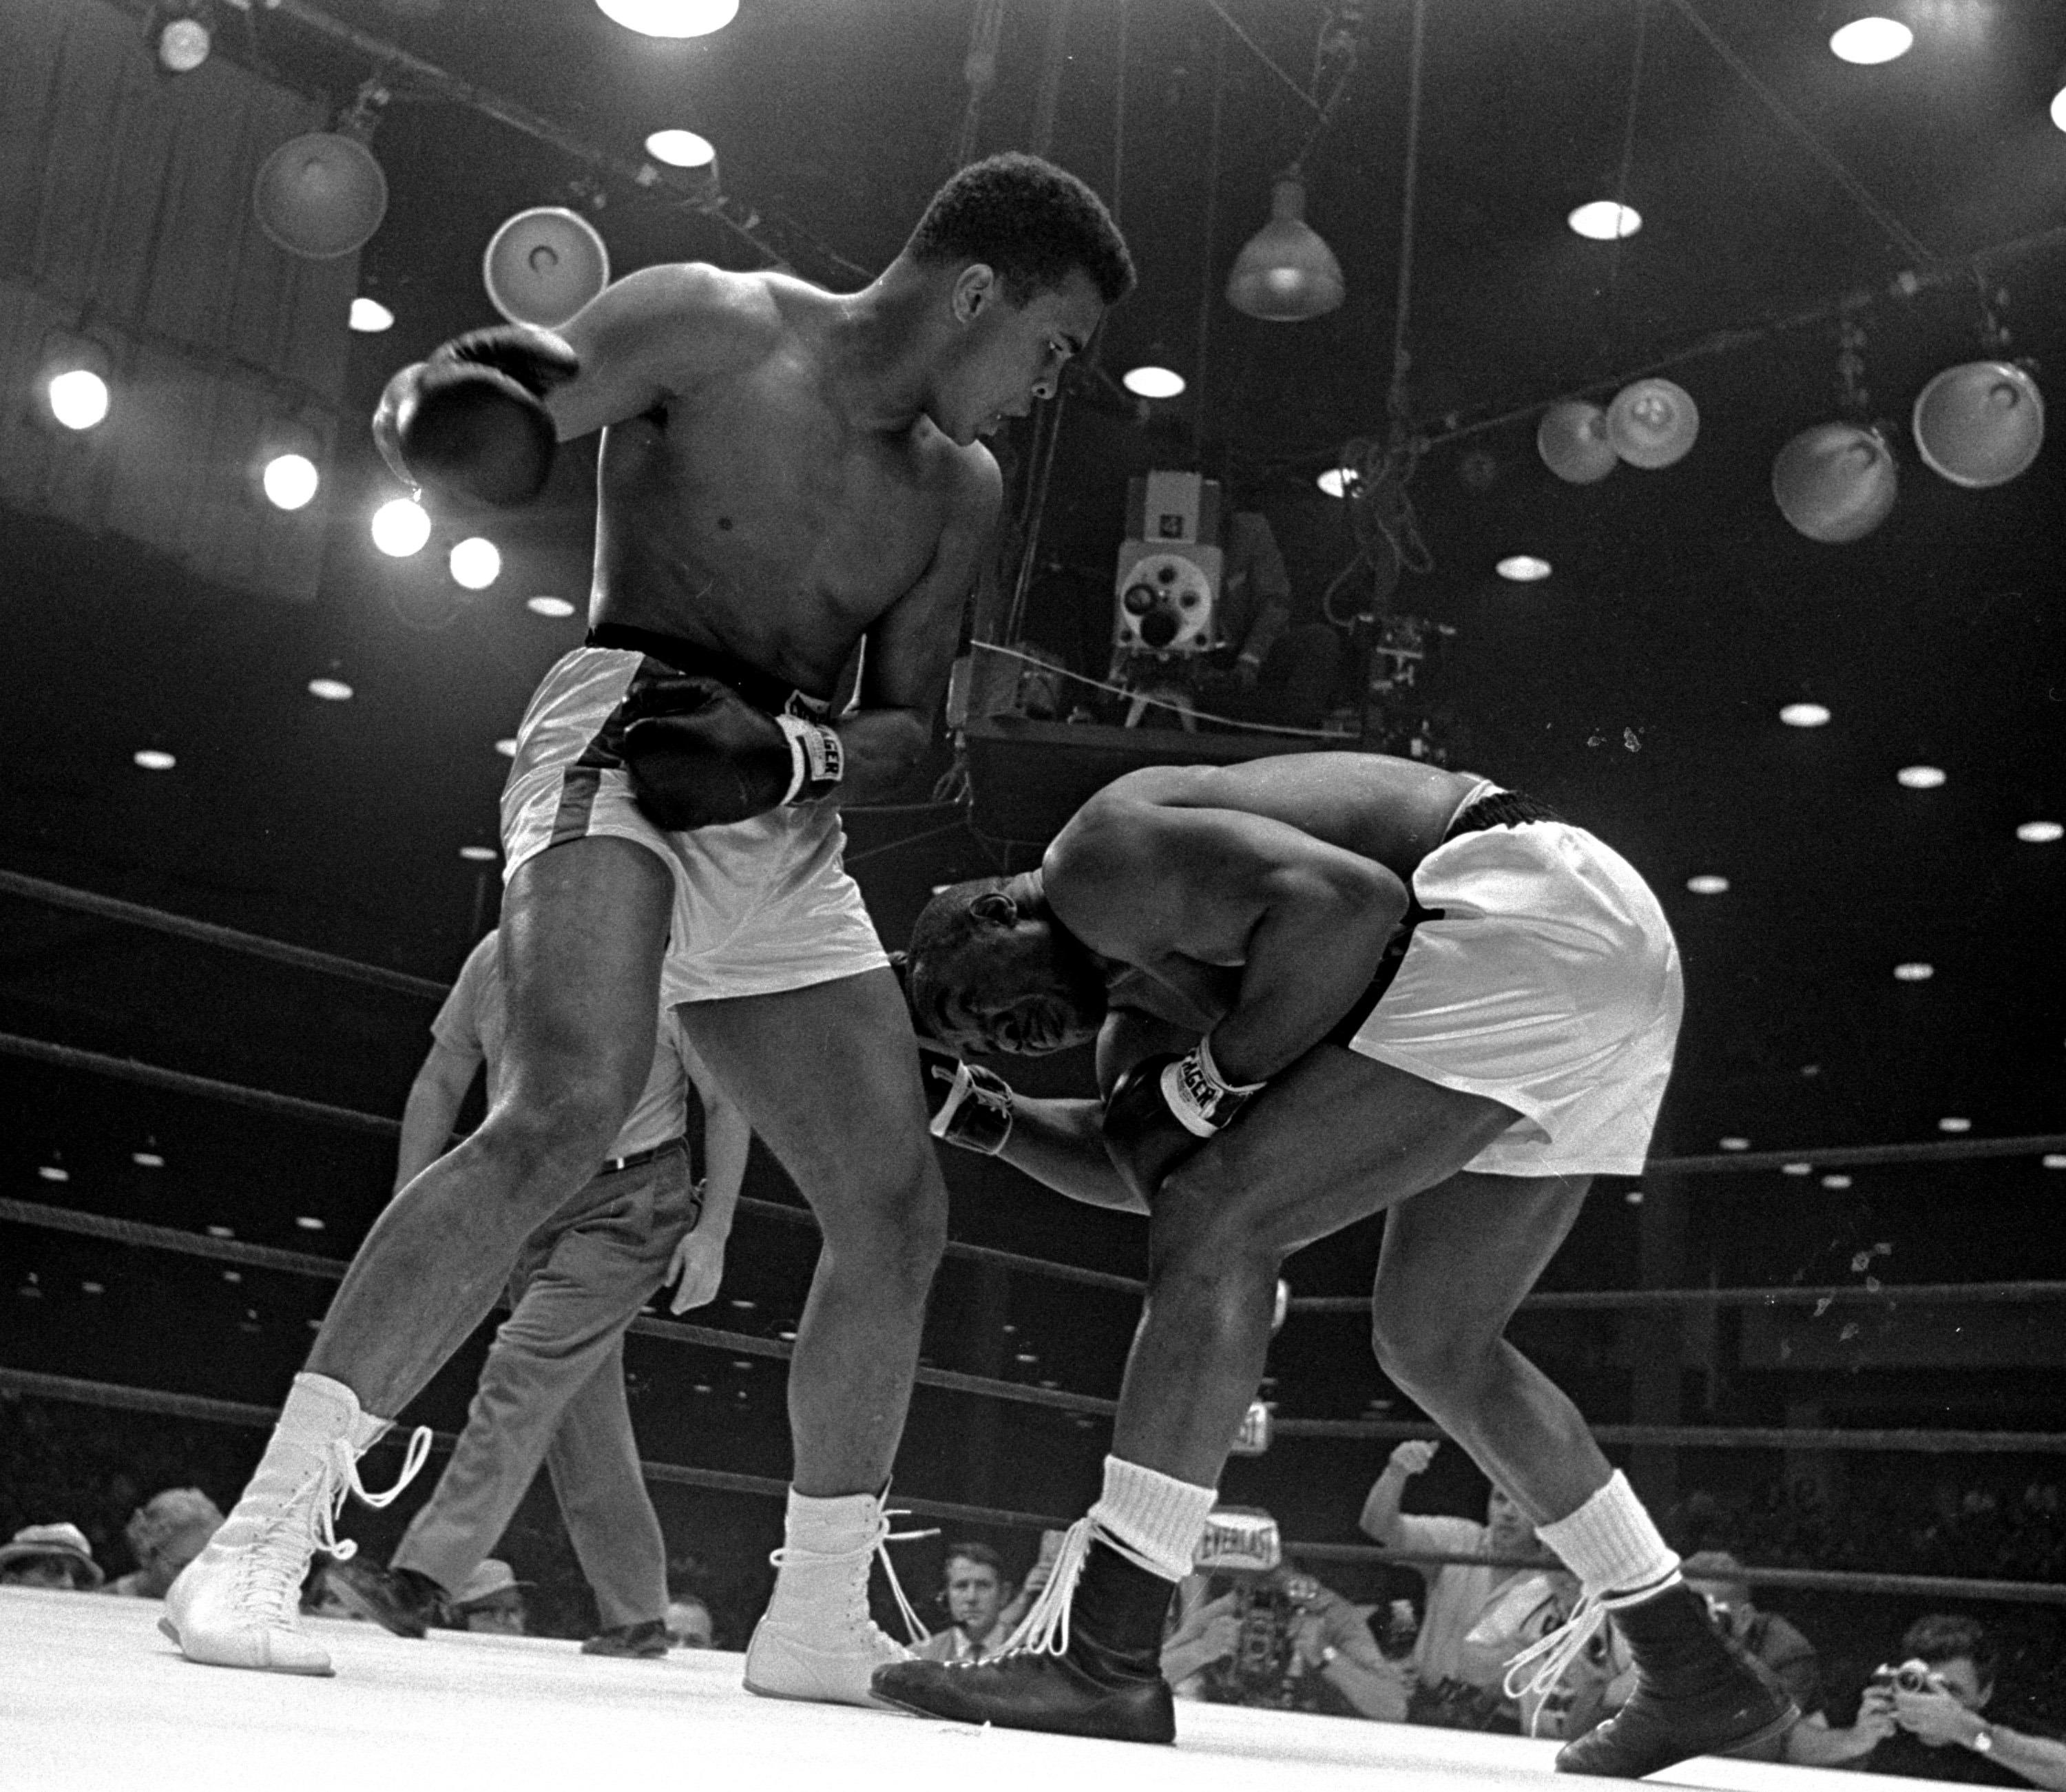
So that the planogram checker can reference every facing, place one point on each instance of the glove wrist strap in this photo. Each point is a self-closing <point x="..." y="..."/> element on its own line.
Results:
<point x="817" y="757"/>
<point x="1202" y="1101"/>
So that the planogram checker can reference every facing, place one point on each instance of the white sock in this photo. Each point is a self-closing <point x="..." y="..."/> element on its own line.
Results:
<point x="835" y="1526"/>
<point x="1613" y="1547"/>
<point x="1154" y="1517"/>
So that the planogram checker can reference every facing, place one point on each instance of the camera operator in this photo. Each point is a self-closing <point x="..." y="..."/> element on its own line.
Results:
<point x="1925" y="1715"/>
<point x="1295" y="1646"/>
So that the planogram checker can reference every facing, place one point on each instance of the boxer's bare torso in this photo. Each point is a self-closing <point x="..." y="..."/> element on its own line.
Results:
<point x="1168" y="873"/>
<point x="770" y="486"/>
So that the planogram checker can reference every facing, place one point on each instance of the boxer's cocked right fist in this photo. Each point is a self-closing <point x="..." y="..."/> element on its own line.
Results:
<point x="472" y="421"/>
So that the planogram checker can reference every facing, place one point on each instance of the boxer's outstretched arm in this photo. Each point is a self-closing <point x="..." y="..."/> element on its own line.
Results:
<point x="910" y="649"/>
<point x="1056" y="1142"/>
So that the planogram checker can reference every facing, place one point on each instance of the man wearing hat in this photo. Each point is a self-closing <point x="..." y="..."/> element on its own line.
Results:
<point x="491" y="1600"/>
<point x="50" y="1556"/>
<point x="166" y="1533"/>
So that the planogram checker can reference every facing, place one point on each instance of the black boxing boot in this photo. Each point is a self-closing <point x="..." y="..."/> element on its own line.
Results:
<point x="1090" y="1663"/>
<point x="402" y="1600"/>
<point x="1694" y="1695"/>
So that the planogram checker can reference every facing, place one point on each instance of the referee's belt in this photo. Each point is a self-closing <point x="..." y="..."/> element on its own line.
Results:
<point x="611" y="1166"/>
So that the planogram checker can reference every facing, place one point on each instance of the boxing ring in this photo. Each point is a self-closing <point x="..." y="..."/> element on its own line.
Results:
<point x="91" y="1695"/>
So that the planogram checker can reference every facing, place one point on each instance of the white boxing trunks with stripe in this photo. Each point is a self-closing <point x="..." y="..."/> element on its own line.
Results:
<point x="760" y="906"/>
<point x="1540" y="972"/>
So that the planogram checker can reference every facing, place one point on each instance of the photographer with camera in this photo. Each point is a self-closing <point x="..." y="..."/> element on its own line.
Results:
<point x="1925" y="1717"/>
<point x="1283" y="1641"/>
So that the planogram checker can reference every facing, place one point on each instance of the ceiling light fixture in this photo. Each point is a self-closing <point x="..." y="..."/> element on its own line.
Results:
<point x="2039" y="834"/>
<point x="1913" y="973"/>
<point x="549" y="607"/>
<point x="1602" y="221"/>
<point x="154" y="759"/>
<point x="670" y="18"/>
<point x="1152" y="381"/>
<point x="680" y="149"/>
<point x="1337" y="482"/>
<point x="401" y="526"/>
<point x="1708" y="883"/>
<point x="1286" y="273"/>
<point x="1804" y="716"/>
<point x="478" y="855"/>
<point x="1955" y="1123"/>
<point x="370" y="317"/>
<point x="1523" y="568"/>
<point x="476" y="563"/>
<point x="1733" y="1143"/>
<point x="180" y="34"/>
<point x="74" y="375"/>
<point x="1836" y="1181"/>
<point x="332" y="691"/>
<point x="507" y="746"/>
<point x="1920" y="777"/>
<point x="1868" y="41"/>
<point x="289" y="481"/>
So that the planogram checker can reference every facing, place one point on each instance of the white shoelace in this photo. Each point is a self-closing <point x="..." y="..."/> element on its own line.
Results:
<point x="276" y="1573"/>
<point x="876" y="1545"/>
<point x="1556" y="1651"/>
<point x="1045" y="1627"/>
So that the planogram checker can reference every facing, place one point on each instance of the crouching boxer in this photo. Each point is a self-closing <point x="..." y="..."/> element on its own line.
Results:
<point x="1322" y="987"/>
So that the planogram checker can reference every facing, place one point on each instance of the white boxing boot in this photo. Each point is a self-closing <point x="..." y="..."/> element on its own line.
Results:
<point x="816" y="1640"/>
<point x="237" y="1603"/>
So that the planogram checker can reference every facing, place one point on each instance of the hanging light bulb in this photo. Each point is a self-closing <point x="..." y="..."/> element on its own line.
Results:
<point x="1285" y="273"/>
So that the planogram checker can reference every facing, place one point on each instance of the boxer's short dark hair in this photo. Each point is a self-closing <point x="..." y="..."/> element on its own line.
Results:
<point x="1035" y="223"/>
<point x="945" y="926"/>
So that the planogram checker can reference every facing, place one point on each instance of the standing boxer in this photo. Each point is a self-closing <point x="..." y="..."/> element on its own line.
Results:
<point x="786" y="475"/>
<point x="1322" y="987"/>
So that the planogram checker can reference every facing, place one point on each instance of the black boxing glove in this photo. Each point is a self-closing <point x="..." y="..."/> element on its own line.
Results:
<point x="471" y="421"/>
<point x="1163" y="1109"/>
<point x="970" y="1106"/>
<point x="700" y="755"/>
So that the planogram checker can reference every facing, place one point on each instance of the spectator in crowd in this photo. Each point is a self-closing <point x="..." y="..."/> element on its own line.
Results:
<point x="50" y="1556"/>
<point x="166" y="1533"/>
<point x="688" y="1622"/>
<point x="1768" y="1639"/>
<point x="491" y="1600"/>
<point x="1507" y="1654"/>
<point x="1450" y="1689"/>
<point x="1333" y="1650"/>
<point x="975" y="1594"/>
<point x="1281" y="1640"/>
<point x="1941" y="1729"/>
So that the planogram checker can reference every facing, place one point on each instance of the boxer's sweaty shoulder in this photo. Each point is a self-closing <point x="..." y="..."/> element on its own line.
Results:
<point x="1393" y="811"/>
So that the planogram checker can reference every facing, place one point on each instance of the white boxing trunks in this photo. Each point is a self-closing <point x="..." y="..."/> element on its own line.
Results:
<point x="1541" y="973"/>
<point x="760" y="906"/>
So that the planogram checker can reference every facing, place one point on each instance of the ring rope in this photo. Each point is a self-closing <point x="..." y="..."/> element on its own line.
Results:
<point x="230" y="1411"/>
<point x="332" y="1269"/>
<point x="1889" y="1294"/>
<point x="1930" y="1443"/>
<point x="112" y="908"/>
<point x="151" y="1076"/>
<point x="134" y="1070"/>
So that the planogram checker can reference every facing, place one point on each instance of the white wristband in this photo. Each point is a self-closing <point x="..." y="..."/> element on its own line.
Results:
<point x="816" y="756"/>
<point x="1202" y="1100"/>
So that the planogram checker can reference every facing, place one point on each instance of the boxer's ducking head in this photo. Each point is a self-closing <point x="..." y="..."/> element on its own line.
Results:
<point x="993" y="971"/>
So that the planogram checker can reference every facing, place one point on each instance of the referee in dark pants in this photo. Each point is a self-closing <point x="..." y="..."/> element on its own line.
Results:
<point x="553" y="1387"/>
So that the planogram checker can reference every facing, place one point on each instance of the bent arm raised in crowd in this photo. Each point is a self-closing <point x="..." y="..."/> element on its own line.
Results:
<point x="434" y="1103"/>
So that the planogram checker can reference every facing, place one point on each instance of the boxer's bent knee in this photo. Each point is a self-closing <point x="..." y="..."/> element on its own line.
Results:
<point x="553" y="1137"/>
<point x="1430" y="1359"/>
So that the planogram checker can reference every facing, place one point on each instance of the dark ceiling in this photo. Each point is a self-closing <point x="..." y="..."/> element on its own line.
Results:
<point x="1638" y="688"/>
